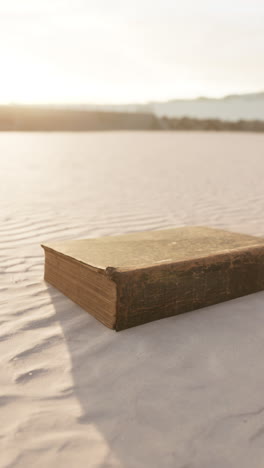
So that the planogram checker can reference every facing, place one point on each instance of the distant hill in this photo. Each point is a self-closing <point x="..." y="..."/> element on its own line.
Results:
<point x="51" y="119"/>
<point x="230" y="108"/>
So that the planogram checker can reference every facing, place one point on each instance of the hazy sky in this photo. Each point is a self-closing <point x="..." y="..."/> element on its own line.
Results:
<point x="129" y="50"/>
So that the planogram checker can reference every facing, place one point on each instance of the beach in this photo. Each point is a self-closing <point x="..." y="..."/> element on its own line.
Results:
<point x="183" y="392"/>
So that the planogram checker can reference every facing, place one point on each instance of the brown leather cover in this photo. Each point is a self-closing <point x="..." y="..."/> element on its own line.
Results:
<point x="163" y="273"/>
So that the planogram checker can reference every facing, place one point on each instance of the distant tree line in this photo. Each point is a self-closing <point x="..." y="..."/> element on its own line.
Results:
<point x="188" y="123"/>
<point x="41" y="118"/>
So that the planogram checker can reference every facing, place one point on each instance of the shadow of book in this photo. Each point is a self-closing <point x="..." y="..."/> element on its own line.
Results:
<point x="168" y="391"/>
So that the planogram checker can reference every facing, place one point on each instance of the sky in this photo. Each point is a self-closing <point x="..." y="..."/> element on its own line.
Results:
<point x="120" y="51"/>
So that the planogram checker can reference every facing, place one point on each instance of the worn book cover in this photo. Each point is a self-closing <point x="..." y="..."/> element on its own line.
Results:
<point x="132" y="279"/>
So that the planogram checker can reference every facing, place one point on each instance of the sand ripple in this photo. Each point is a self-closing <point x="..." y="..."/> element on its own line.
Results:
<point x="184" y="392"/>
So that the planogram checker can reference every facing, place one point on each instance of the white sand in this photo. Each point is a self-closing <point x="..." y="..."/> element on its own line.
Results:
<point x="184" y="392"/>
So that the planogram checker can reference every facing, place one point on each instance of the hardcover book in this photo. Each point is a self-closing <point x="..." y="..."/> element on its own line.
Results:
<point x="132" y="279"/>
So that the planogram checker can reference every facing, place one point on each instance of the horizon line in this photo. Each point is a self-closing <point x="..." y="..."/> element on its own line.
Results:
<point x="126" y="103"/>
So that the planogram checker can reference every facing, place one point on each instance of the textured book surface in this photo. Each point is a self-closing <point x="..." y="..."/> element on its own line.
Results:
<point x="135" y="278"/>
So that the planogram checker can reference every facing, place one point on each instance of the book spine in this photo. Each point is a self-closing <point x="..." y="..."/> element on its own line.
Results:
<point x="153" y="293"/>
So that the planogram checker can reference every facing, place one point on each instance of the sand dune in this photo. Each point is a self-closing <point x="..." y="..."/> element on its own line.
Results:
<point x="185" y="392"/>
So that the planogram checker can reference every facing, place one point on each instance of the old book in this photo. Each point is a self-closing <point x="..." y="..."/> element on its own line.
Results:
<point x="128" y="280"/>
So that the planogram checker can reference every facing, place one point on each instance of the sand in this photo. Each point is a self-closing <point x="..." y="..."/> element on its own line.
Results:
<point x="184" y="392"/>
